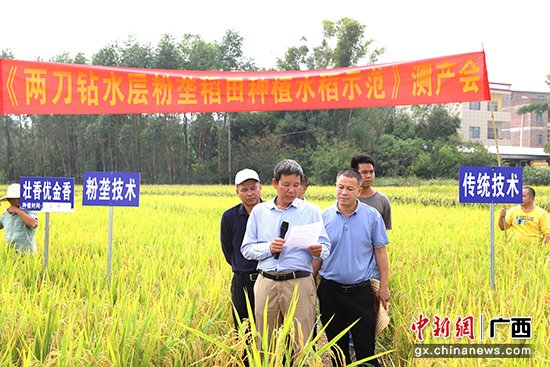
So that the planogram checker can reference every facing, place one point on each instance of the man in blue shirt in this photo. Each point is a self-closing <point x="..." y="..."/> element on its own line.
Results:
<point x="358" y="237"/>
<point x="281" y="267"/>
<point x="233" y="227"/>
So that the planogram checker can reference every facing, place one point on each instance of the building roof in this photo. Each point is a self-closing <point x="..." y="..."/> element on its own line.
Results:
<point x="510" y="152"/>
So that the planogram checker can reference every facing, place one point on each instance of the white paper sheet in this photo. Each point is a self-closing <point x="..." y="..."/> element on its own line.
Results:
<point x="304" y="236"/>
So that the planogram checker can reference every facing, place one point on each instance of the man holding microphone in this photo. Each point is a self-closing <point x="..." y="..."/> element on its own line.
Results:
<point x="281" y="267"/>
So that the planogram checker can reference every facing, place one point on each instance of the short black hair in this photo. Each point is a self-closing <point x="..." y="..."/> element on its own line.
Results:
<point x="530" y="191"/>
<point x="287" y="167"/>
<point x="351" y="173"/>
<point x="362" y="158"/>
<point x="305" y="181"/>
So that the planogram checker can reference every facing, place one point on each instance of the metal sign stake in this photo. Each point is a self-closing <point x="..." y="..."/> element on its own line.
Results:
<point x="493" y="247"/>
<point x="46" y="244"/>
<point x="110" y="255"/>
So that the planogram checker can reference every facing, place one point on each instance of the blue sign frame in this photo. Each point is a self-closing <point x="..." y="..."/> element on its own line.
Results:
<point x="111" y="189"/>
<point x="502" y="185"/>
<point x="47" y="194"/>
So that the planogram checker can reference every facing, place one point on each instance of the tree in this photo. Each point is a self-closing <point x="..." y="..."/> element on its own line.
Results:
<point x="107" y="56"/>
<point x="296" y="58"/>
<point x="329" y="158"/>
<point x="198" y="54"/>
<point x="343" y="45"/>
<point x="351" y="46"/>
<point x="65" y="58"/>
<point x="134" y="55"/>
<point x="7" y="171"/>
<point x="231" y="54"/>
<point x="167" y="55"/>
<point x="7" y="54"/>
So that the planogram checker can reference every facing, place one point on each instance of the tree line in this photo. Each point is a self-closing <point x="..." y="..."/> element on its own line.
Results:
<point x="209" y="148"/>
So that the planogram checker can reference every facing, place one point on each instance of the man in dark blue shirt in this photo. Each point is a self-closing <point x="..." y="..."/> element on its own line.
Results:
<point x="233" y="227"/>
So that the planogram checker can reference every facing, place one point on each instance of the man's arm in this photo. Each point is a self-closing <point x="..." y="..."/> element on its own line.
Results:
<point x="226" y="238"/>
<point x="545" y="227"/>
<point x="321" y="250"/>
<point x="252" y="248"/>
<point x="381" y="256"/>
<point x="387" y="215"/>
<point x="502" y="220"/>
<point x="316" y="265"/>
<point x="27" y="219"/>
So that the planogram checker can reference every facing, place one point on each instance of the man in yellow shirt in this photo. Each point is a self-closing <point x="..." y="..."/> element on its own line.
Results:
<point x="529" y="222"/>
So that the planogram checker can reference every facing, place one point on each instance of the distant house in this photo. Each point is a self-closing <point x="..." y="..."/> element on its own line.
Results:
<point x="521" y="138"/>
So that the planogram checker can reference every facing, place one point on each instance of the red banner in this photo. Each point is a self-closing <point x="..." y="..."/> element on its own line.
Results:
<point x="50" y="88"/>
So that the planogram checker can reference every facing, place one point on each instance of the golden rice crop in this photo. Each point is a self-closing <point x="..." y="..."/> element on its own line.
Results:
<point x="169" y="277"/>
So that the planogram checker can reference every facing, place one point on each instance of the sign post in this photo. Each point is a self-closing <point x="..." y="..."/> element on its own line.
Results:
<point x="48" y="195"/>
<point x="47" y="243"/>
<point x="111" y="189"/>
<point x="491" y="185"/>
<point x="492" y="226"/>
<point x="110" y="253"/>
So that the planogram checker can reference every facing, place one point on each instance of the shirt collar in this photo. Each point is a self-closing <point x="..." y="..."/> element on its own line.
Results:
<point x="357" y="208"/>
<point x="242" y="209"/>
<point x="296" y="203"/>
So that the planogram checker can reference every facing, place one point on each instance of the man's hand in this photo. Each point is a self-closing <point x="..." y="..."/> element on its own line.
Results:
<point x="13" y="209"/>
<point x="502" y="219"/>
<point x="383" y="294"/>
<point x="315" y="250"/>
<point x="277" y="245"/>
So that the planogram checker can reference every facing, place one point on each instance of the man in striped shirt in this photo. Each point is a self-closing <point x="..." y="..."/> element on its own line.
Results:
<point x="19" y="225"/>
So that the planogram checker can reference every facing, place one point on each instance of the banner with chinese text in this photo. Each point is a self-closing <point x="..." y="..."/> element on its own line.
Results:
<point x="29" y="87"/>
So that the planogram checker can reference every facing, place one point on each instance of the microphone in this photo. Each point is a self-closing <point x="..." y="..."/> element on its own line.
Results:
<point x="282" y="233"/>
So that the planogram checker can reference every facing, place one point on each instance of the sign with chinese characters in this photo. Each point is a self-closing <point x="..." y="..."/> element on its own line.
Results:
<point x="31" y="87"/>
<point x="491" y="185"/>
<point x="47" y="194"/>
<point x="111" y="188"/>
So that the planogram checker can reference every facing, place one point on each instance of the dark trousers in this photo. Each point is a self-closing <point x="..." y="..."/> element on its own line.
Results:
<point x="346" y="307"/>
<point x="241" y="284"/>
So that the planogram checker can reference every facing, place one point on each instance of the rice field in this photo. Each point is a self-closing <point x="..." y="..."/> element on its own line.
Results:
<point x="170" y="282"/>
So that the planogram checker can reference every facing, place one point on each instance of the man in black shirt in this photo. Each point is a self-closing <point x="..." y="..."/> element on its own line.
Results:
<point x="233" y="227"/>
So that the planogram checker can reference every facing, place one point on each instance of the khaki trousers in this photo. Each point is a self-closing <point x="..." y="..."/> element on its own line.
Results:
<point x="280" y="294"/>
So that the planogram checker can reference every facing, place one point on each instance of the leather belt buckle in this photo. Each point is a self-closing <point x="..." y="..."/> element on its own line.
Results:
<point x="347" y="288"/>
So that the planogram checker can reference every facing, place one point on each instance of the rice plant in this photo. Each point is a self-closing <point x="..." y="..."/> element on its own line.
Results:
<point x="169" y="305"/>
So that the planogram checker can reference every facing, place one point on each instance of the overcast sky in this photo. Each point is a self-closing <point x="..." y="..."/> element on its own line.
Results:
<point x="514" y="36"/>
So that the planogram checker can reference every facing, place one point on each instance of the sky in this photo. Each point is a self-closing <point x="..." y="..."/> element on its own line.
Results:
<point x="514" y="36"/>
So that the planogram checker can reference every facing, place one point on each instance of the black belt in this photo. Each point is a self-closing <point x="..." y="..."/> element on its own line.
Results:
<point x="286" y="276"/>
<point x="252" y="276"/>
<point x="348" y="288"/>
